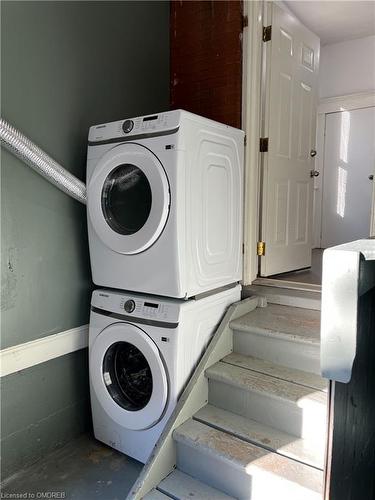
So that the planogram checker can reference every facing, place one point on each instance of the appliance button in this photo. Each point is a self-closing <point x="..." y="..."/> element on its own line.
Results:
<point x="127" y="126"/>
<point x="129" y="306"/>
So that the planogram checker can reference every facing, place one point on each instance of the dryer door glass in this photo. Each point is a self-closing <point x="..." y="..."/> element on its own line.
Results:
<point x="127" y="376"/>
<point x="126" y="199"/>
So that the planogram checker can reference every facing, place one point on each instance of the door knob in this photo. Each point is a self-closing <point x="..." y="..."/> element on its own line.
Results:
<point x="371" y="177"/>
<point x="312" y="153"/>
<point x="314" y="173"/>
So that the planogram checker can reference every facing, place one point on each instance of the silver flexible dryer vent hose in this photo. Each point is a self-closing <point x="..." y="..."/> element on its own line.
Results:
<point x="41" y="162"/>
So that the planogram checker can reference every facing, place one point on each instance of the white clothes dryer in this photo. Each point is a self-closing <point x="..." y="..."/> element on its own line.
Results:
<point x="142" y="351"/>
<point x="165" y="196"/>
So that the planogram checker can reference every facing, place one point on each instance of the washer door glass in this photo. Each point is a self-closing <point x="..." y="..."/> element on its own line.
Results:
<point x="127" y="376"/>
<point x="128" y="198"/>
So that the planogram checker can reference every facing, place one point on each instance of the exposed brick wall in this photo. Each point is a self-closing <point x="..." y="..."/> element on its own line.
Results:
<point x="206" y="58"/>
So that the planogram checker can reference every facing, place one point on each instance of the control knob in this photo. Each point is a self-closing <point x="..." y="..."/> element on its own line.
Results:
<point x="129" y="306"/>
<point x="127" y="126"/>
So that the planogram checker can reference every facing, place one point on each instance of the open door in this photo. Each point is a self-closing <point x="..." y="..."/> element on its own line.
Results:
<point x="347" y="188"/>
<point x="372" y="223"/>
<point x="292" y="62"/>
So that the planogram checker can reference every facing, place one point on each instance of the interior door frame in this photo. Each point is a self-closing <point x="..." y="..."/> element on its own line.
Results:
<point x="252" y="54"/>
<point x="337" y="104"/>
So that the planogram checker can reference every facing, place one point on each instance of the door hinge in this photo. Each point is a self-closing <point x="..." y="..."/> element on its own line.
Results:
<point x="263" y="144"/>
<point x="261" y="248"/>
<point x="267" y="33"/>
<point x="245" y="22"/>
<point x="243" y="248"/>
<point x="245" y="140"/>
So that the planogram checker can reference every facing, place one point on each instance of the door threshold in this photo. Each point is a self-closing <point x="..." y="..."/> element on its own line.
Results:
<point x="290" y="285"/>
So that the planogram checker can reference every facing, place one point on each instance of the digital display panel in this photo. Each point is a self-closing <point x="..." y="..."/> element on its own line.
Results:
<point x="150" y="304"/>
<point x="149" y="118"/>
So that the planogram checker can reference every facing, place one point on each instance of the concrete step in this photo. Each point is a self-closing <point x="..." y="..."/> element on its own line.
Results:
<point x="241" y="469"/>
<point x="289" y="407"/>
<point x="285" y="296"/>
<point x="300" y="377"/>
<point x="181" y="486"/>
<point x="285" y="335"/>
<point x="302" y="450"/>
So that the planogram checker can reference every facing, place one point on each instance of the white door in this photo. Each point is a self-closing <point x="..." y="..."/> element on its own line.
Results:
<point x="290" y="117"/>
<point x="349" y="162"/>
<point x="128" y="198"/>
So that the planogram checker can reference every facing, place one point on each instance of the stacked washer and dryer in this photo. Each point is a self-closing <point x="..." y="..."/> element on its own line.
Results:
<point x="165" y="234"/>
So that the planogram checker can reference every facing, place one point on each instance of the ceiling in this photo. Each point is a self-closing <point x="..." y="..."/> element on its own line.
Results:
<point x="336" y="21"/>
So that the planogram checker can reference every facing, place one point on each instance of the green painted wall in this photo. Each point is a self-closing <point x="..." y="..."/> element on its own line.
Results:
<point x="65" y="66"/>
<point x="42" y="408"/>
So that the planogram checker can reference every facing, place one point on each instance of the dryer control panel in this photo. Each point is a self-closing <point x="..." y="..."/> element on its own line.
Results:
<point x="137" y="306"/>
<point x="157" y="124"/>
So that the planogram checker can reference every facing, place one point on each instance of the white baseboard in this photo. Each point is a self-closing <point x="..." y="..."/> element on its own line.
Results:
<point x="16" y="358"/>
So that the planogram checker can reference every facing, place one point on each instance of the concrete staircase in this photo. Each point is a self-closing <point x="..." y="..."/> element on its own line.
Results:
<point x="262" y="434"/>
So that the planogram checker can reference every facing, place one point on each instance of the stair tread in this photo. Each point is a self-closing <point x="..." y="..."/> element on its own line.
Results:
<point x="181" y="486"/>
<point x="155" y="495"/>
<point x="300" y="377"/>
<point x="247" y="457"/>
<point x="293" y="323"/>
<point x="307" y="299"/>
<point x="258" y="382"/>
<point x="309" y="452"/>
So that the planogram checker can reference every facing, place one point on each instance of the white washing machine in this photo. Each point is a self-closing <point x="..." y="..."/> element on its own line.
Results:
<point x="165" y="196"/>
<point x="142" y="350"/>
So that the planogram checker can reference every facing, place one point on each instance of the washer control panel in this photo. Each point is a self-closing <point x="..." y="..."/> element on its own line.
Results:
<point x="138" y="126"/>
<point x="137" y="306"/>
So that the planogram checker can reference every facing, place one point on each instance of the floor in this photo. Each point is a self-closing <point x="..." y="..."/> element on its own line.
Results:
<point x="312" y="276"/>
<point x="84" y="469"/>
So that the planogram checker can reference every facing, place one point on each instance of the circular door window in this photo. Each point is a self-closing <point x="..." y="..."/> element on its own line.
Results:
<point x="128" y="198"/>
<point x="127" y="376"/>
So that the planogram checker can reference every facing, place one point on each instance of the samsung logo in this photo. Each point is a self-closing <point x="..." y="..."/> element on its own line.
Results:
<point x="103" y="295"/>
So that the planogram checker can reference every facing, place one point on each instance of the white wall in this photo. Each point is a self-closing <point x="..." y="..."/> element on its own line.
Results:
<point x="347" y="67"/>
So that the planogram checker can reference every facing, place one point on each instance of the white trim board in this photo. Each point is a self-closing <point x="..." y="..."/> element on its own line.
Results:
<point x="22" y="356"/>
<point x="251" y="120"/>
<point x="346" y="102"/>
<point x="348" y="272"/>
